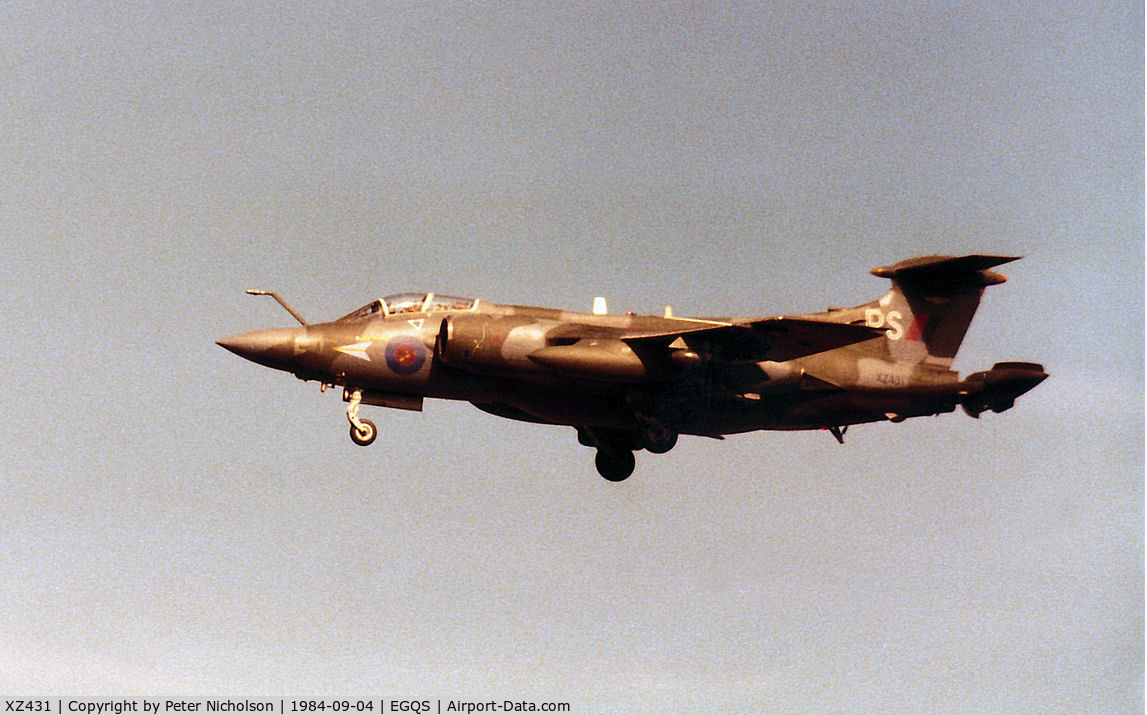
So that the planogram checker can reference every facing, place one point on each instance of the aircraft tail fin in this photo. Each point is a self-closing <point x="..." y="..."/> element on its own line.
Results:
<point x="927" y="311"/>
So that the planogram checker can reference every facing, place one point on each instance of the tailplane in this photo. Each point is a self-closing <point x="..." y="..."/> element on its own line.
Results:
<point x="927" y="311"/>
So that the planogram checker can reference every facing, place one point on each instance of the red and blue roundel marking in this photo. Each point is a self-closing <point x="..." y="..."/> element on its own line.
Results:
<point x="405" y="355"/>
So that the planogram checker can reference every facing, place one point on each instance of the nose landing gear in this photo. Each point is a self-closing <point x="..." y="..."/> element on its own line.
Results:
<point x="362" y="431"/>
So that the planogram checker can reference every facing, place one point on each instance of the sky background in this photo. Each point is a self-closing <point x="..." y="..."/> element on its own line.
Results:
<point x="175" y="520"/>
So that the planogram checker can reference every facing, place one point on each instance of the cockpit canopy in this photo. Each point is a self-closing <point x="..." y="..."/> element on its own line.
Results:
<point x="410" y="303"/>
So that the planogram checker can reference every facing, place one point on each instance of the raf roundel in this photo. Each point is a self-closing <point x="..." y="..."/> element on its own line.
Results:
<point x="405" y="355"/>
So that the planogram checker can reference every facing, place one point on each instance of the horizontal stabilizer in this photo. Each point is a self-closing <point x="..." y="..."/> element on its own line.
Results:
<point x="943" y="269"/>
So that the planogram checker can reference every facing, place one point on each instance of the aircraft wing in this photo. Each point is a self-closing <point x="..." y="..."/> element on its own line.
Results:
<point x="655" y="349"/>
<point x="791" y="338"/>
<point x="776" y="339"/>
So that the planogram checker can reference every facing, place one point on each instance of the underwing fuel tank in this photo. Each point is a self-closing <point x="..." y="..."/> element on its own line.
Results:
<point x="998" y="388"/>
<point x="592" y="357"/>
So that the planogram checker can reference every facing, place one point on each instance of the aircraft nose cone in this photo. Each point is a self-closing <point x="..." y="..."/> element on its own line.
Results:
<point x="274" y="347"/>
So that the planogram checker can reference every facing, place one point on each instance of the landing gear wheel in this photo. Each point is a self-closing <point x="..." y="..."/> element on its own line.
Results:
<point x="615" y="466"/>
<point x="660" y="440"/>
<point x="363" y="433"/>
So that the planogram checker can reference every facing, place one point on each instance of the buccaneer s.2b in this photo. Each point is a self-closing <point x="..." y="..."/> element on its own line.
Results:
<point x="631" y="382"/>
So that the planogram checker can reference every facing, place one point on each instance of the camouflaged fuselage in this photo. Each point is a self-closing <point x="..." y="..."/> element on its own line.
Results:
<point x="631" y="381"/>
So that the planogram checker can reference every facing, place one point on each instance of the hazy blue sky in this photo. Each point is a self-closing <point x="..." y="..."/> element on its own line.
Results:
<point x="176" y="520"/>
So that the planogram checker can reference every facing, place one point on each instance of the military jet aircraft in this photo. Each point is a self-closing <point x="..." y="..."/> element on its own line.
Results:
<point x="631" y="382"/>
